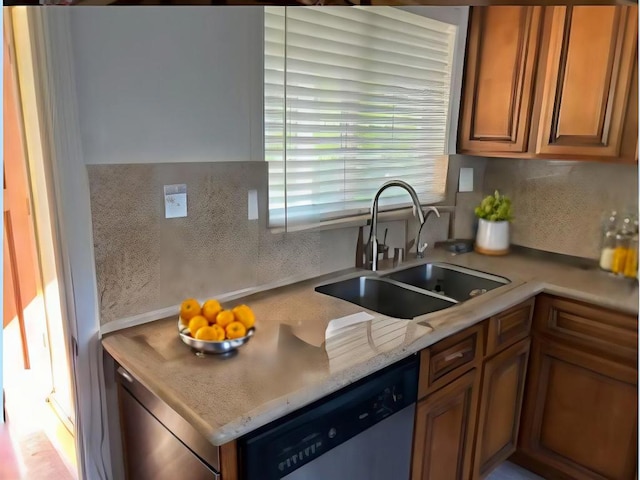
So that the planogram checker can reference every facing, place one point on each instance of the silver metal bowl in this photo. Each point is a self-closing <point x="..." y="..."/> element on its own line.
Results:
<point x="207" y="346"/>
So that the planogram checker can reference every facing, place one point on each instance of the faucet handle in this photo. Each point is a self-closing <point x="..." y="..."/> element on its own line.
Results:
<point x="421" y="248"/>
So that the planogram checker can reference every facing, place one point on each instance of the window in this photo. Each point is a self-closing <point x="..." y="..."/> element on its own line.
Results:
<point x="354" y="96"/>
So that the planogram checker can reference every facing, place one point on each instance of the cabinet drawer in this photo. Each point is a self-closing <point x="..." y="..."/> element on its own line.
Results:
<point x="450" y="358"/>
<point x="510" y="326"/>
<point x="611" y="333"/>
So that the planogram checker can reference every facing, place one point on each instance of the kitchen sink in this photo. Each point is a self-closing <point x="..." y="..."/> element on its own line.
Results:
<point x="451" y="281"/>
<point x="414" y="291"/>
<point x="386" y="297"/>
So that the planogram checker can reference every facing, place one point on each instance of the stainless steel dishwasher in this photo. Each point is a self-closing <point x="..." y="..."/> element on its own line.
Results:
<point x="362" y="432"/>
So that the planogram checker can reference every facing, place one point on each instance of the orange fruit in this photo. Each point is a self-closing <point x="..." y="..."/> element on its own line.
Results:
<point x="211" y="333"/>
<point x="197" y="322"/>
<point x="235" y="330"/>
<point x="225" y="317"/>
<point x="210" y="310"/>
<point x="245" y="316"/>
<point x="189" y="309"/>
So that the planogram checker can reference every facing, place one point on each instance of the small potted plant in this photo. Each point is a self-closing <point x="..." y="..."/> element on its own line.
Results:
<point x="494" y="214"/>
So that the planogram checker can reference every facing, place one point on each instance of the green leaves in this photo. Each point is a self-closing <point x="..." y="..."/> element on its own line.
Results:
<point x="495" y="208"/>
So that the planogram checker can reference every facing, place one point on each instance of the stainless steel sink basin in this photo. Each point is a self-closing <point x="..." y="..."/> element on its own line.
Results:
<point x="414" y="291"/>
<point x="449" y="280"/>
<point x="386" y="297"/>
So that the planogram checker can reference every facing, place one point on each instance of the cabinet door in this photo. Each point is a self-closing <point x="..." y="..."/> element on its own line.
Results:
<point x="498" y="81"/>
<point x="587" y="76"/>
<point x="611" y="334"/>
<point x="445" y="429"/>
<point x="502" y="390"/>
<point x="580" y="415"/>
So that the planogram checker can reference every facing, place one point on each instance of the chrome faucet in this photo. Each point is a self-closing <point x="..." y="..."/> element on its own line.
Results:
<point x="372" y="244"/>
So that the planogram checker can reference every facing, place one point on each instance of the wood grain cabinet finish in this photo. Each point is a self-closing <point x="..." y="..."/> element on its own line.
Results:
<point x="508" y="327"/>
<point x="501" y="57"/>
<point x="551" y="82"/>
<point x="445" y="431"/>
<point x="448" y="359"/>
<point x="503" y="383"/>
<point x="580" y="415"/>
<point x="611" y="334"/>
<point x="587" y="78"/>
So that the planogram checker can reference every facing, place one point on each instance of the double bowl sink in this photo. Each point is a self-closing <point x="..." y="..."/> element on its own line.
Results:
<point x="414" y="291"/>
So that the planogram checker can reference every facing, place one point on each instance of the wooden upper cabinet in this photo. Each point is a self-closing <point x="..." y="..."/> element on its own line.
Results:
<point x="498" y="86"/>
<point x="551" y="82"/>
<point x="587" y="73"/>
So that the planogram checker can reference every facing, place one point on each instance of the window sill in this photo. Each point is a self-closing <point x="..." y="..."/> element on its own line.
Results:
<point x="356" y="221"/>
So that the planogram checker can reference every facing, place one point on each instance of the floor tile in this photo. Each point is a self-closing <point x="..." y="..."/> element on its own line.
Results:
<point x="511" y="471"/>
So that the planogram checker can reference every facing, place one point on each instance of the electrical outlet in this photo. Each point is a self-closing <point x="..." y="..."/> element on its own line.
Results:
<point x="175" y="201"/>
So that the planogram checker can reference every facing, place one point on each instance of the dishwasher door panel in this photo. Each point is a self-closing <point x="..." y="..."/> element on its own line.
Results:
<point x="382" y="452"/>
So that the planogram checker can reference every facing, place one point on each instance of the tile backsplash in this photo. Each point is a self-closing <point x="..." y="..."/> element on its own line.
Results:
<point x="145" y="262"/>
<point x="559" y="205"/>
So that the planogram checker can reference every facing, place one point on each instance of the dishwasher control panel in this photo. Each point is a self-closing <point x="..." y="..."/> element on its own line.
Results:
<point x="287" y="444"/>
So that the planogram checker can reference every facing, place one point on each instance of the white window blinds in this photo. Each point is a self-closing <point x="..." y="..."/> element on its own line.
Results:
<point x="354" y="96"/>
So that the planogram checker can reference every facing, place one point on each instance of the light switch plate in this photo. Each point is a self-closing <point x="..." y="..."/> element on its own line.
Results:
<point x="465" y="181"/>
<point x="252" y="204"/>
<point x="175" y="201"/>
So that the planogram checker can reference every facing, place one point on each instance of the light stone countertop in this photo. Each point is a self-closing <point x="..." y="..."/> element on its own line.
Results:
<point x="289" y="363"/>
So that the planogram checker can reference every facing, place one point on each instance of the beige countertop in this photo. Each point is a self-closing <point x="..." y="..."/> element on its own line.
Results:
<point x="294" y="359"/>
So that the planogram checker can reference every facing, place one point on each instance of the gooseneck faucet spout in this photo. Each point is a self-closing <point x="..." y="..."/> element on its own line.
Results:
<point x="372" y="244"/>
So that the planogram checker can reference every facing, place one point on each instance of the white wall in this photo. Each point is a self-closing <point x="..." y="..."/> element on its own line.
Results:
<point x="147" y="86"/>
<point x="169" y="84"/>
<point x="82" y="47"/>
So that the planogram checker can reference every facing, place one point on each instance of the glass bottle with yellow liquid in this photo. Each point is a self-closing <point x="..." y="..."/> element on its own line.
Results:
<point x="631" y="262"/>
<point x="623" y="243"/>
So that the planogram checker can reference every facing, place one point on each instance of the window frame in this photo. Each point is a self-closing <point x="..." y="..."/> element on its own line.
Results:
<point x="454" y="15"/>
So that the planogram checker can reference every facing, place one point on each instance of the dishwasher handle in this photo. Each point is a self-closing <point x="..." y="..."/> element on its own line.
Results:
<point x="124" y="374"/>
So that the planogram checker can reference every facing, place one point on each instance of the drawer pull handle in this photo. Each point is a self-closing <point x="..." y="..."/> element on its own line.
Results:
<point x="453" y="356"/>
<point x="124" y="374"/>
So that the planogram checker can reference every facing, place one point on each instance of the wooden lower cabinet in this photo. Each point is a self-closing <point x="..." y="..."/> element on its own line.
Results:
<point x="445" y="431"/>
<point x="503" y="385"/>
<point x="580" y="415"/>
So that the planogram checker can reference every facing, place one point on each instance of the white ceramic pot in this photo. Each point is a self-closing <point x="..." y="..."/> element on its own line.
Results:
<point x="492" y="237"/>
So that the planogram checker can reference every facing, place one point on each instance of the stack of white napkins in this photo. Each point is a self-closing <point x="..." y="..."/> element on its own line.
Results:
<point x="341" y="323"/>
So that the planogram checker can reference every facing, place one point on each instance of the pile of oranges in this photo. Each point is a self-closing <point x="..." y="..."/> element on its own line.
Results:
<point x="211" y="322"/>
